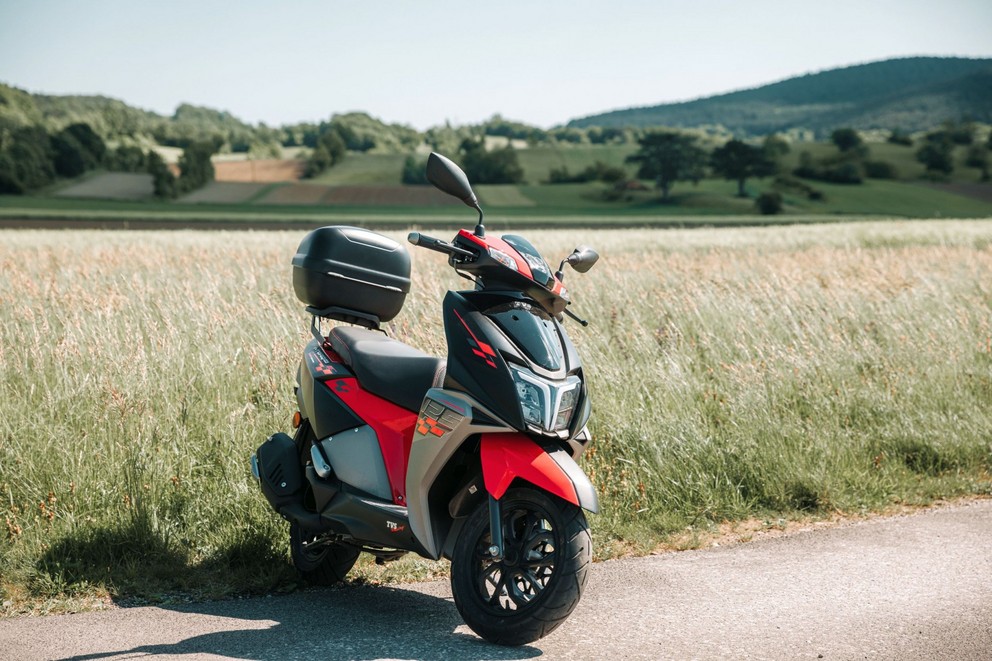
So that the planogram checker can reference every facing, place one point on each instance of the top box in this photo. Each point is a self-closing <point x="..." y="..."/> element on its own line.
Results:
<point x="352" y="268"/>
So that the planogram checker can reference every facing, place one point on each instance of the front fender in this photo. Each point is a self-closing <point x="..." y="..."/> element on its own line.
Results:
<point x="507" y="456"/>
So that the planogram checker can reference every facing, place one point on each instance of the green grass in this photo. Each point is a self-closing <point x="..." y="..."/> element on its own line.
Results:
<point x="537" y="162"/>
<point x="358" y="169"/>
<point x="735" y="373"/>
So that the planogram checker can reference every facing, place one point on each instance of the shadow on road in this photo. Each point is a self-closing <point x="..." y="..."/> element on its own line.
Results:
<point x="343" y="623"/>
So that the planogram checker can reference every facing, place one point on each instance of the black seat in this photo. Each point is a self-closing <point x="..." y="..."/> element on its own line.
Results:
<point x="390" y="369"/>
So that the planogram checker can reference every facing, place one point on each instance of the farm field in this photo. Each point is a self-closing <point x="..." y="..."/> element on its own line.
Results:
<point x="258" y="170"/>
<point x="110" y="186"/>
<point x="711" y="201"/>
<point x="749" y="373"/>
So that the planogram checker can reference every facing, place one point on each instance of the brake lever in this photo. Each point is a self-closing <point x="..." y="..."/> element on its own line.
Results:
<point x="575" y="317"/>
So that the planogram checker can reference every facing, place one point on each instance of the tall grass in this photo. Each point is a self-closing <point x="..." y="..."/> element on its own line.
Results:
<point x="736" y="373"/>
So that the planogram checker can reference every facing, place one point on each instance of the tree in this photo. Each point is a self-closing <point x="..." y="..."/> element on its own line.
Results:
<point x="88" y="140"/>
<point x="900" y="137"/>
<point x="846" y="139"/>
<point x="30" y="154"/>
<point x="737" y="161"/>
<point x="328" y="150"/>
<point x="978" y="157"/>
<point x="937" y="154"/>
<point x="70" y="156"/>
<point x="195" y="167"/>
<point x="668" y="157"/>
<point x="127" y="158"/>
<point x="414" y="172"/>
<point x="163" y="181"/>
<point x="775" y="148"/>
<point x="499" y="166"/>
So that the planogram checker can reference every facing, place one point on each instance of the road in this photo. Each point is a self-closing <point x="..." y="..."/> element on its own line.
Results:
<point x="916" y="586"/>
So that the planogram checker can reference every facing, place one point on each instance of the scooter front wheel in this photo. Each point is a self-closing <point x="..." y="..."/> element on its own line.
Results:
<point x="320" y="563"/>
<point x="527" y="593"/>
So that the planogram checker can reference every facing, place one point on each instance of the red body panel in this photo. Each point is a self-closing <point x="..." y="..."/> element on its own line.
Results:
<point x="507" y="456"/>
<point x="393" y="425"/>
<point x="499" y="244"/>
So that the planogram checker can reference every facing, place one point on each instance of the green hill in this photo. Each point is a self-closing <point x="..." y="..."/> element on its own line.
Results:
<point x="915" y="93"/>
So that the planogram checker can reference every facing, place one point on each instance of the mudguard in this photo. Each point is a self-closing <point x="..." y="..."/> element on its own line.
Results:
<point x="508" y="456"/>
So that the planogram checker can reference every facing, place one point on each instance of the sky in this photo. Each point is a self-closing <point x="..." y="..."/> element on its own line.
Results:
<point x="424" y="63"/>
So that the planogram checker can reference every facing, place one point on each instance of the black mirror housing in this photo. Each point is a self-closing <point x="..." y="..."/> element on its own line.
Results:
<point x="449" y="178"/>
<point x="582" y="258"/>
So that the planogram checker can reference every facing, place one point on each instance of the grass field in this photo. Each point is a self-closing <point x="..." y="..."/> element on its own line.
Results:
<point x="736" y="373"/>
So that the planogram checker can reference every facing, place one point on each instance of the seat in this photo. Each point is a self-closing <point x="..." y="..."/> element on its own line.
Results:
<point x="388" y="368"/>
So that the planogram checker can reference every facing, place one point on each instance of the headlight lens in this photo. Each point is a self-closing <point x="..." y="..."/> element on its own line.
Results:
<point x="503" y="258"/>
<point x="566" y="407"/>
<point x="546" y="405"/>
<point x="531" y="402"/>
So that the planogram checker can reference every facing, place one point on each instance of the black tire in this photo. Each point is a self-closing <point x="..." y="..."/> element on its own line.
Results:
<point x="326" y="563"/>
<point x="521" y="598"/>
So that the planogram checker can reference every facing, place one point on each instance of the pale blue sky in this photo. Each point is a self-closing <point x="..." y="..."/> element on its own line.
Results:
<point x="425" y="62"/>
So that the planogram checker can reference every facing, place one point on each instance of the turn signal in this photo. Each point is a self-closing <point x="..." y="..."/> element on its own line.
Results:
<point x="297" y="420"/>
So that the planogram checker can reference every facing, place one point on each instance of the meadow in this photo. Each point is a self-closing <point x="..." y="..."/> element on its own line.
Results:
<point x="756" y="374"/>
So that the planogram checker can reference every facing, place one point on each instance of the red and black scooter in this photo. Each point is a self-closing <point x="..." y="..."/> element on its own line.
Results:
<point x="472" y="457"/>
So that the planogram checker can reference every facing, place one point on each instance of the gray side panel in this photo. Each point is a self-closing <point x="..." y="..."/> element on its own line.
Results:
<point x="431" y="449"/>
<point x="357" y="460"/>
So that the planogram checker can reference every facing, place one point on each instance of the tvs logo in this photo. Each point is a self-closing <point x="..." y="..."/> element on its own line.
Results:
<point x="394" y="527"/>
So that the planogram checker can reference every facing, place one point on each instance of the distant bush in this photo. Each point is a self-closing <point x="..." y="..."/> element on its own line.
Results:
<point x="841" y="173"/>
<point x="769" y="204"/>
<point x="880" y="170"/>
<point x="900" y="137"/>
<point x="598" y="171"/>
<point x="799" y="187"/>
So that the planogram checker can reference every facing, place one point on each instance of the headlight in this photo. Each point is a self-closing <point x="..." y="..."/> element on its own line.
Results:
<point x="503" y="259"/>
<point x="547" y="405"/>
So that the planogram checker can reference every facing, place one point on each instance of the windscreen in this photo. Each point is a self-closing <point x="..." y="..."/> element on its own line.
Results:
<point x="533" y="330"/>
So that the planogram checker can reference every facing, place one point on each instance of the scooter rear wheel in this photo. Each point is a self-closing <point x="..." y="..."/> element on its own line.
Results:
<point x="530" y="591"/>
<point x="323" y="564"/>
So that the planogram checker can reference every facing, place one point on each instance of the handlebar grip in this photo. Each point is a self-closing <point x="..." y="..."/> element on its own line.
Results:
<point x="416" y="238"/>
<point x="429" y="242"/>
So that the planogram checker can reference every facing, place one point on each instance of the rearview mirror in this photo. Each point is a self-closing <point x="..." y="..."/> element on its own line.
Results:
<point x="449" y="178"/>
<point x="582" y="258"/>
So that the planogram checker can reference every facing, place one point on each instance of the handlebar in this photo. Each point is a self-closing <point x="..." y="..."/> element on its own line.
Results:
<point x="429" y="242"/>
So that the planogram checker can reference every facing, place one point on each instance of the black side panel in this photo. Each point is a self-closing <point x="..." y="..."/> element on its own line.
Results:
<point x="371" y="521"/>
<point x="279" y="470"/>
<point x="475" y="358"/>
<point x="327" y="414"/>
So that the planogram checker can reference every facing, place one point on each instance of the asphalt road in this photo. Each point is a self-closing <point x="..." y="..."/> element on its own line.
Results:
<point x="909" y="587"/>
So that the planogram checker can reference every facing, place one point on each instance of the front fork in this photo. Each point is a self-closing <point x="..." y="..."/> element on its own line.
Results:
<point x="495" y="529"/>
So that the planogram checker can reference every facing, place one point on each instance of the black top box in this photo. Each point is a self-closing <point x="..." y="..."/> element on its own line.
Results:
<point x="352" y="268"/>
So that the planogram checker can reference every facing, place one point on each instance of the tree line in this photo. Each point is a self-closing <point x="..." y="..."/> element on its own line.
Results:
<point x="31" y="158"/>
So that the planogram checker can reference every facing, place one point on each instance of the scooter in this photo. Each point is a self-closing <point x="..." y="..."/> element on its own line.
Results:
<point x="470" y="458"/>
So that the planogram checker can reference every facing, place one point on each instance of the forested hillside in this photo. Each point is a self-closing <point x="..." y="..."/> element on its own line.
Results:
<point x="912" y="94"/>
